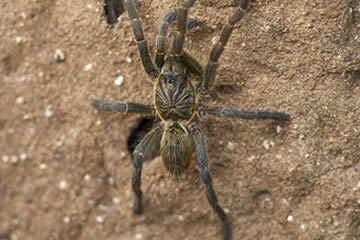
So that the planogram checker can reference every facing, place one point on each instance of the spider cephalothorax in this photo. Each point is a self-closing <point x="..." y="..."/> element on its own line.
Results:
<point x="175" y="96"/>
<point x="179" y="82"/>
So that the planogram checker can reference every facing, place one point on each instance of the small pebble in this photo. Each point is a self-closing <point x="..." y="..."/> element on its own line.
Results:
<point x="5" y="158"/>
<point x="59" y="55"/>
<point x="290" y="218"/>
<point x="63" y="185"/>
<point x="139" y="236"/>
<point x="116" y="200"/>
<point x="48" y="112"/>
<point x="67" y="219"/>
<point x="128" y="60"/>
<point x="301" y="136"/>
<point x="119" y="81"/>
<point x="213" y="40"/>
<point x="27" y="116"/>
<point x="19" y="100"/>
<point x="251" y="158"/>
<point x="231" y="146"/>
<point x="111" y="180"/>
<point x="87" y="177"/>
<point x="43" y="166"/>
<point x="23" y="157"/>
<point x="278" y="129"/>
<point x="181" y="218"/>
<point x="266" y="144"/>
<point x="88" y="67"/>
<point x="99" y="219"/>
<point x="303" y="227"/>
<point x="18" y="39"/>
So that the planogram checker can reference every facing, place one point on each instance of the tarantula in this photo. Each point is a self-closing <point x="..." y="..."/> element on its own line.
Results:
<point x="180" y="89"/>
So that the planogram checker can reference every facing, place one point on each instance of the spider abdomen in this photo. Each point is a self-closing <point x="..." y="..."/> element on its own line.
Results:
<point x="176" y="149"/>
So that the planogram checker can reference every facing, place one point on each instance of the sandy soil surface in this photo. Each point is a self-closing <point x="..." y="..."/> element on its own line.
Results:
<point x="65" y="170"/>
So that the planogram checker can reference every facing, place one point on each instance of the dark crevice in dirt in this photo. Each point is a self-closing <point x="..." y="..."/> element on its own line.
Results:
<point x="145" y="125"/>
<point x="228" y="89"/>
<point x="5" y="236"/>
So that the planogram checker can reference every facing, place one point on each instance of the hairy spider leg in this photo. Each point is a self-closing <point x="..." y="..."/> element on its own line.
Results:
<point x="181" y="24"/>
<point x="121" y="107"/>
<point x="162" y="35"/>
<point x="237" y="113"/>
<point x="199" y="142"/>
<point x="140" y="153"/>
<point x="143" y="48"/>
<point x="217" y="50"/>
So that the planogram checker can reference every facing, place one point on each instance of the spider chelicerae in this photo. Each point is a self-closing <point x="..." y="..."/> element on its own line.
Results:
<point x="180" y="89"/>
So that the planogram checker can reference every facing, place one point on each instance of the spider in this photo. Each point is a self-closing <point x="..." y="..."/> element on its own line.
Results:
<point x="181" y="87"/>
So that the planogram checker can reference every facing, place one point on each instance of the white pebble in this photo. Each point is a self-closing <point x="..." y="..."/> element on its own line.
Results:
<point x="266" y="144"/>
<point x="290" y="218"/>
<point x="119" y="81"/>
<point x="48" y="112"/>
<point x="88" y="67"/>
<point x="213" y="40"/>
<point x="41" y="74"/>
<point x="59" y="55"/>
<point x="301" y="136"/>
<point x="116" y="200"/>
<point x="43" y="166"/>
<point x="99" y="219"/>
<point x="27" y="116"/>
<point x="5" y="158"/>
<point x="251" y="158"/>
<point x="128" y="60"/>
<point x="111" y="180"/>
<point x="181" y="218"/>
<point x="63" y="185"/>
<point x="231" y="146"/>
<point x="139" y="236"/>
<point x="23" y="157"/>
<point x="19" y="100"/>
<point x="87" y="177"/>
<point x="66" y="219"/>
<point x="18" y="39"/>
<point x="278" y="129"/>
<point x="303" y="227"/>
